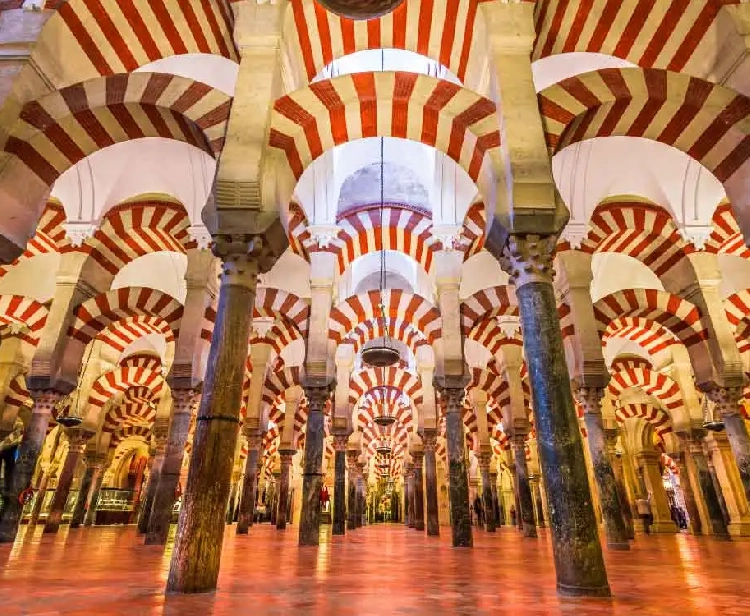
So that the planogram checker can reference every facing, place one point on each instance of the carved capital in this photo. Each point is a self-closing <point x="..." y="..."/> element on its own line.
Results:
<point x="77" y="439"/>
<point x="590" y="399"/>
<point x="45" y="400"/>
<point x="529" y="258"/>
<point x="185" y="400"/>
<point x="161" y="433"/>
<point x="417" y="457"/>
<point x="429" y="439"/>
<point x="254" y="439"/>
<point x="453" y="390"/>
<point x="318" y="391"/>
<point x="340" y="441"/>
<point x="726" y="399"/>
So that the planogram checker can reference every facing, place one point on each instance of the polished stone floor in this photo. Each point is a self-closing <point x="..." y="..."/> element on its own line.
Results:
<point x="379" y="570"/>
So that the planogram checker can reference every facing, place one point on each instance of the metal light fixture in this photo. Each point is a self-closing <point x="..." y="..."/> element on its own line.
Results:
<point x="383" y="448"/>
<point x="386" y="419"/>
<point x="360" y="9"/>
<point x="710" y="421"/>
<point x="383" y="354"/>
<point x="72" y="418"/>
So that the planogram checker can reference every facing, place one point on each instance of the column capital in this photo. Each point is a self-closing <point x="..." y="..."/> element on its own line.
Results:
<point x="161" y="433"/>
<point x="95" y="460"/>
<point x="352" y="458"/>
<point x="485" y="460"/>
<point x="726" y="399"/>
<point x="185" y="400"/>
<point x="287" y="454"/>
<point x="518" y="440"/>
<point x="453" y="388"/>
<point x="318" y="392"/>
<point x="340" y="441"/>
<point x="254" y="438"/>
<point x="417" y="457"/>
<point x="590" y="399"/>
<point x="77" y="439"/>
<point x="529" y="258"/>
<point x="429" y="439"/>
<point x="45" y="399"/>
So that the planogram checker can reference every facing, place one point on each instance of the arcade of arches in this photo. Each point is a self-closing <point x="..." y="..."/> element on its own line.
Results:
<point x="210" y="209"/>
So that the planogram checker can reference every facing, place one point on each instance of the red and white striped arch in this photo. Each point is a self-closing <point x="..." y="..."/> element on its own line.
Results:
<point x="398" y="304"/>
<point x="442" y="32"/>
<point x="677" y="315"/>
<point x="120" y="334"/>
<point x="629" y="373"/>
<point x="363" y="381"/>
<point x="726" y="237"/>
<point x="491" y="336"/>
<point x="50" y="236"/>
<point x="737" y="308"/>
<point x="673" y="34"/>
<point x="99" y="312"/>
<point x="437" y="113"/>
<point x="138" y="433"/>
<point x="278" y="382"/>
<point x="487" y="303"/>
<point x="17" y="395"/>
<point x="133" y="410"/>
<point x="699" y="118"/>
<point x="62" y="128"/>
<point x="499" y="440"/>
<point x="642" y="230"/>
<point x="649" y="335"/>
<point x="122" y="378"/>
<point x="22" y="318"/>
<point x="657" y="417"/>
<point x="376" y="328"/>
<point x="139" y="227"/>
<point x="119" y="36"/>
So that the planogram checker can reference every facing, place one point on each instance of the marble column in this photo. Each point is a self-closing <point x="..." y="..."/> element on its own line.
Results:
<point x="452" y="388"/>
<point x="412" y="489"/>
<point x="417" y="460"/>
<point x="361" y="494"/>
<point x="579" y="562"/>
<point x="727" y="401"/>
<point x="615" y="458"/>
<point x="719" y="512"/>
<point x="96" y="486"/>
<point x="317" y="392"/>
<point x="28" y="453"/>
<point x="485" y="460"/>
<point x="84" y="491"/>
<point x="429" y="442"/>
<point x="496" y="514"/>
<point x="76" y="444"/>
<point x="285" y="457"/>
<point x="198" y="542"/>
<point x="339" y="484"/>
<point x="536" y="495"/>
<point x="706" y="486"/>
<point x="648" y="462"/>
<point x="249" y="480"/>
<point x="351" y="458"/>
<point x="41" y="494"/>
<point x="160" y="433"/>
<point x="615" y="530"/>
<point x="525" y="509"/>
<point x="166" y="492"/>
<point x="407" y="496"/>
<point x="686" y="484"/>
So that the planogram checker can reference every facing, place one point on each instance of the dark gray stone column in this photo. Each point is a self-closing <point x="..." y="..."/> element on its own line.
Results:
<point x="76" y="444"/>
<point x="410" y="480"/>
<point x="525" y="509"/>
<point x="417" y="458"/>
<point x="41" y="494"/>
<point x="536" y="494"/>
<point x="361" y="494"/>
<point x="96" y="486"/>
<point x="452" y="389"/>
<point x="198" y="542"/>
<point x="579" y="562"/>
<point x="339" y="484"/>
<point x="717" y="490"/>
<point x="351" y="457"/>
<point x="615" y="458"/>
<point x="160" y="433"/>
<point x="84" y="491"/>
<point x="317" y="392"/>
<point x="727" y="401"/>
<point x="706" y="486"/>
<point x="285" y="458"/>
<point x="407" y="496"/>
<point x="161" y="512"/>
<point x="28" y="453"/>
<point x="485" y="459"/>
<point x="496" y="513"/>
<point x="249" y="480"/>
<point x="429" y="441"/>
<point x="615" y="531"/>
<point x="686" y="483"/>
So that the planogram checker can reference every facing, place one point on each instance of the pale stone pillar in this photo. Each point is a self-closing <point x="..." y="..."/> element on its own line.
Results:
<point x="728" y="482"/>
<point x="648" y="462"/>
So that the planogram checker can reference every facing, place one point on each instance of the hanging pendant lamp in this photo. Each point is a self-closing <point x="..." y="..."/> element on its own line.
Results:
<point x="710" y="421"/>
<point x="68" y="414"/>
<point x="384" y="447"/>
<point x="382" y="354"/>
<point x="360" y="9"/>
<point x="385" y="419"/>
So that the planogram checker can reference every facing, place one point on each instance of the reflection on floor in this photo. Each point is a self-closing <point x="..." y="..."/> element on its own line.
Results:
<point x="384" y="569"/>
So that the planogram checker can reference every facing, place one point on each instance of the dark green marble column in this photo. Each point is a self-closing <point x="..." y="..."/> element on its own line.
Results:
<point x="28" y="453"/>
<point x="249" y="481"/>
<point x="285" y="458"/>
<point x="76" y="444"/>
<point x="452" y="389"/>
<point x="615" y="458"/>
<point x="485" y="459"/>
<point x="83" y="494"/>
<point x="351" y="520"/>
<point x="417" y="458"/>
<point x="496" y="510"/>
<point x="615" y="531"/>
<point x="707" y="485"/>
<point x="317" y="392"/>
<point x="579" y="562"/>
<point x="339" y="484"/>
<point x="727" y="401"/>
<point x="525" y="509"/>
<point x="160" y="433"/>
<point x="198" y="543"/>
<point x="166" y="492"/>
<point x="429" y="441"/>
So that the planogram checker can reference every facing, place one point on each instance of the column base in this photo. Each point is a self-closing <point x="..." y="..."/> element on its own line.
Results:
<point x="583" y="591"/>
<point x="622" y="547"/>
<point x="738" y="530"/>
<point x="664" y="527"/>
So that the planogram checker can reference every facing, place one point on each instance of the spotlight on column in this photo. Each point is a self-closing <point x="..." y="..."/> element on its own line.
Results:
<point x="360" y="9"/>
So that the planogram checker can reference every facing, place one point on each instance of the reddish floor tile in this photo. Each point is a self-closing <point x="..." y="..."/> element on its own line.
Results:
<point x="384" y="569"/>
